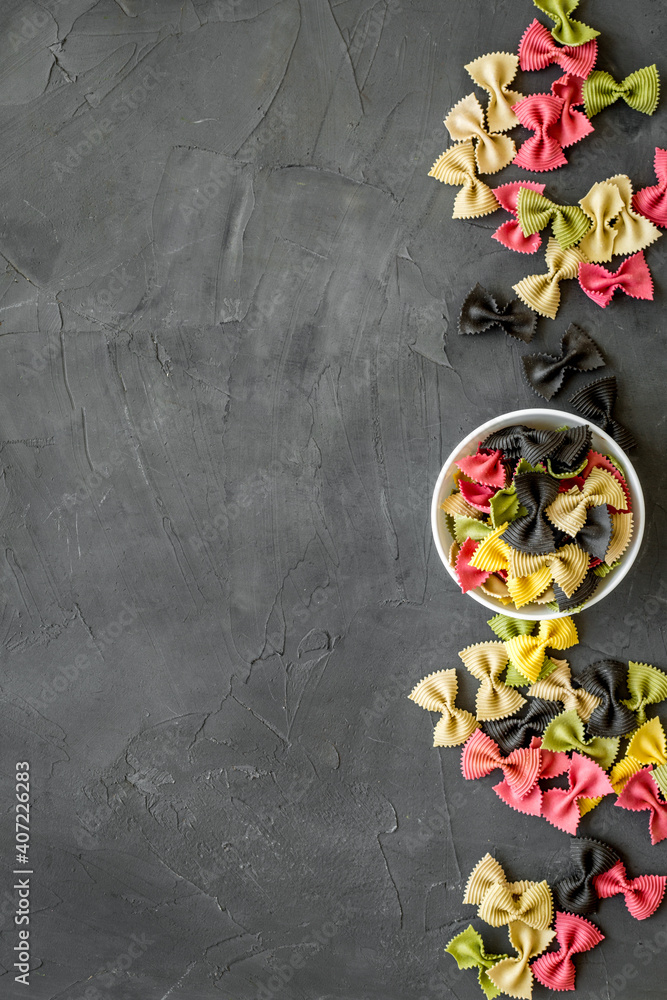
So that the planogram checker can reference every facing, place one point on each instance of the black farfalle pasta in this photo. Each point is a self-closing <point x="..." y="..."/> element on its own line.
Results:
<point x="584" y="592"/>
<point x="545" y="373"/>
<point x="596" y="401"/>
<point x="572" y="449"/>
<point x="519" y="441"/>
<point x="606" y="679"/>
<point x="513" y="733"/>
<point x="480" y="312"/>
<point x="576" y="893"/>
<point x="595" y="535"/>
<point x="532" y="533"/>
<point x="566" y="449"/>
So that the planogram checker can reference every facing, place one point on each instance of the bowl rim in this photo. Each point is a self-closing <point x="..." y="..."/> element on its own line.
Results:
<point x="522" y="416"/>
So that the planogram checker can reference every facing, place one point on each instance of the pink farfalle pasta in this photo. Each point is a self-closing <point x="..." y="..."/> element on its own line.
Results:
<point x="481" y="756"/>
<point x="484" y="467"/>
<point x="587" y="780"/>
<point x="540" y="113"/>
<point x="552" y="764"/>
<point x="632" y="277"/>
<point x="643" y="894"/>
<point x="572" y="125"/>
<point x="651" y="202"/>
<point x="477" y="495"/>
<point x="575" y="935"/>
<point x="469" y="576"/>
<point x="510" y="233"/>
<point x="537" y="50"/>
<point x="641" y="794"/>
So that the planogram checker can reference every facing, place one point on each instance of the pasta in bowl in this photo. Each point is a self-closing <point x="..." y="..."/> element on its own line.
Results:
<point x="537" y="514"/>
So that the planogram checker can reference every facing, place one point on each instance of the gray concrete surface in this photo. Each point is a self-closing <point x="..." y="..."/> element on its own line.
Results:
<point x="230" y="373"/>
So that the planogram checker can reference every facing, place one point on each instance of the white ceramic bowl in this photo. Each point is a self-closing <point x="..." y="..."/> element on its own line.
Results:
<point x="543" y="419"/>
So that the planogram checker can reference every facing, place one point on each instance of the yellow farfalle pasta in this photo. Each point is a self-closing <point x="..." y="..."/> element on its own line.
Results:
<point x="558" y="687"/>
<point x="633" y="231"/>
<point x="437" y="693"/>
<point x="621" y="533"/>
<point x="602" y="205"/>
<point x="567" y="566"/>
<point x="457" y="166"/>
<point x="524" y="589"/>
<point x="568" y="510"/>
<point x="500" y="901"/>
<point x="527" y="652"/>
<point x="514" y="975"/>
<point x="494" y="72"/>
<point x="493" y="553"/>
<point x="648" y="745"/>
<point x="541" y="292"/>
<point x="493" y="151"/>
<point x="494" y="700"/>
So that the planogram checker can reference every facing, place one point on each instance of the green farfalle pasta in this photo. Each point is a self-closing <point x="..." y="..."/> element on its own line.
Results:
<point x="467" y="948"/>
<point x="568" y="222"/>
<point x="505" y="506"/>
<point x="659" y="775"/>
<point x="507" y="628"/>
<point x="469" y="527"/>
<point x="647" y="686"/>
<point x="566" y="30"/>
<point x="566" y="732"/>
<point x="640" y="90"/>
<point x="525" y="466"/>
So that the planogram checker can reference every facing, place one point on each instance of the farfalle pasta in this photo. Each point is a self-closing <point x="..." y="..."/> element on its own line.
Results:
<point x="494" y="73"/>
<point x="437" y="693"/>
<point x="500" y="901"/>
<point x="574" y="934"/>
<point x="566" y="29"/>
<point x="558" y="687"/>
<point x="541" y="292"/>
<point x="632" y="277"/>
<point x="651" y="201"/>
<point x="538" y="516"/>
<point x="567" y="732"/>
<point x="457" y="166"/>
<point x="569" y="223"/>
<point x="642" y="894"/>
<point x="467" y="122"/>
<point x="537" y="50"/>
<point x="514" y="975"/>
<point x="487" y="661"/>
<point x="596" y="401"/>
<point x="576" y="892"/>
<point x="509" y="233"/>
<point x="480" y="312"/>
<point x="516" y="732"/>
<point x="647" y="686"/>
<point x="468" y="949"/>
<point x="640" y="90"/>
<point x="527" y="909"/>
<point x="642" y="794"/>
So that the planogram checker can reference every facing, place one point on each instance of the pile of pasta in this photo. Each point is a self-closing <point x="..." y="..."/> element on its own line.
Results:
<point x="565" y="726"/>
<point x="540" y="917"/>
<point x="610" y="219"/>
<point x="538" y="516"/>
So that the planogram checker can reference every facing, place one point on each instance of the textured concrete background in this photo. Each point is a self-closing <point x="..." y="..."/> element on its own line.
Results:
<point x="230" y="373"/>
